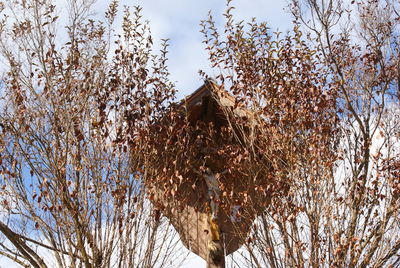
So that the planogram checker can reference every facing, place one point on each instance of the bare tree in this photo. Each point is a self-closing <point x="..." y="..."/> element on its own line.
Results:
<point x="71" y="194"/>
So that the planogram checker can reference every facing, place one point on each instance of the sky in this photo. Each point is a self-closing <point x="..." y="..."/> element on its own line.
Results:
<point x="178" y="20"/>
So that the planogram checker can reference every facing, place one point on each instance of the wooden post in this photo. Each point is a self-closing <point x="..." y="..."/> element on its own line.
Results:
<point x="216" y="254"/>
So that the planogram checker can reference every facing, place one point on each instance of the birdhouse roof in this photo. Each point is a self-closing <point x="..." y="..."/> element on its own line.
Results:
<point x="206" y="103"/>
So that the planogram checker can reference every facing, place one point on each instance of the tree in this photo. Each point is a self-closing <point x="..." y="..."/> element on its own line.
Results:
<point x="342" y="206"/>
<point x="69" y="196"/>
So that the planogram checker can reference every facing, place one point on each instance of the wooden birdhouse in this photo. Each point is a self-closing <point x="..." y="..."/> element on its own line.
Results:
<point x="219" y="196"/>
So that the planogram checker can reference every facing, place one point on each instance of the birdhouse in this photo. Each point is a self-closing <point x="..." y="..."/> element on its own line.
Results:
<point x="220" y="194"/>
